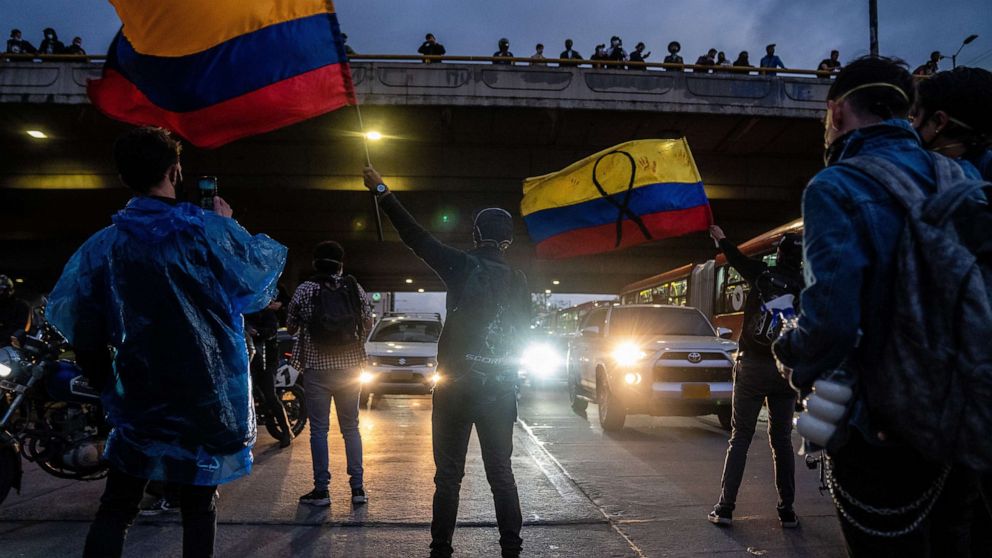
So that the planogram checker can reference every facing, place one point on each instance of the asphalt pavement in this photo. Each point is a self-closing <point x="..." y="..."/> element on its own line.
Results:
<point x="644" y="492"/>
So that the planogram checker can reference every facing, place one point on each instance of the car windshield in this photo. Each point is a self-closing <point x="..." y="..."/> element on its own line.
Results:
<point x="659" y="321"/>
<point x="407" y="332"/>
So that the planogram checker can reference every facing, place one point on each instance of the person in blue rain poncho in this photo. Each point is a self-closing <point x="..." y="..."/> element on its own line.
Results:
<point x="153" y="307"/>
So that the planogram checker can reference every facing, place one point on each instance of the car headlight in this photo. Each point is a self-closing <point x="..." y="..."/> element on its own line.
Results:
<point x="436" y="378"/>
<point x="365" y="377"/>
<point x="628" y="354"/>
<point x="541" y="359"/>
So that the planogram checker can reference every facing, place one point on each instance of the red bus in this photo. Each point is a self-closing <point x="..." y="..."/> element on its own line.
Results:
<point x="713" y="287"/>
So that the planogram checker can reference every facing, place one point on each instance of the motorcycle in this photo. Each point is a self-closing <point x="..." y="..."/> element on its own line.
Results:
<point x="289" y="388"/>
<point x="49" y="413"/>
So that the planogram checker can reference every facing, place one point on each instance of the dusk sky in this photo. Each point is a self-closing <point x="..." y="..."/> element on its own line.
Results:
<point x="804" y="30"/>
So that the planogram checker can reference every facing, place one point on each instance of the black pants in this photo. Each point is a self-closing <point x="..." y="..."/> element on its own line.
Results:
<point x="896" y="476"/>
<point x="493" y="411"/>
<point x="755" y="381"/>
<point x="119" y="507"/>
<point x="263" y="376"/>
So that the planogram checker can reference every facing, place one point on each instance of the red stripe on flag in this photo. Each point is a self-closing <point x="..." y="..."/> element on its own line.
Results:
<point x="287" y="102"/>
<point x="603" y="238"/>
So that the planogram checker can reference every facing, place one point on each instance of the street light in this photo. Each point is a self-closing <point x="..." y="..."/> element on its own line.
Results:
<point x="373" y="135"/>
<point x="967" y="41"/>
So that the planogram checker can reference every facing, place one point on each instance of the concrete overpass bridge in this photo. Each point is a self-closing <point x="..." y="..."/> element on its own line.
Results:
<point x="458" y="136"/>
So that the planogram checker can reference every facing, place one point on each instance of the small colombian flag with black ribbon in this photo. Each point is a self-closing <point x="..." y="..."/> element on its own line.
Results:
<point x="626" y="195"/>
<point x="214" y="71"/>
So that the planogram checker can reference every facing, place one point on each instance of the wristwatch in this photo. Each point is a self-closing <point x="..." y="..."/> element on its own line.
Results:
<point x="381" y="189"/>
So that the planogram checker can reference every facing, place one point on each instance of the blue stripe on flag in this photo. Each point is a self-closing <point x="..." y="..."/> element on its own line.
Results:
<point x="644" y="200"/>
<point x="235" y="67"/>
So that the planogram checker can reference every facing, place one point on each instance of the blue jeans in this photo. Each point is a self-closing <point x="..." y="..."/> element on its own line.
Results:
<point x="341" y="385"/>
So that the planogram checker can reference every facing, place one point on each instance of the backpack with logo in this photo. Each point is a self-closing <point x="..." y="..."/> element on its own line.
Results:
<point x="336" y="319"/>
<point x="934" y="384"/>
<point x="778" y="295"/>
<point x="485" y="326"/>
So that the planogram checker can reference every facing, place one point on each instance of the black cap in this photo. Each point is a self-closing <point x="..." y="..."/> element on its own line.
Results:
<point x="328" y="256"/>
<point x="493" y="225"/>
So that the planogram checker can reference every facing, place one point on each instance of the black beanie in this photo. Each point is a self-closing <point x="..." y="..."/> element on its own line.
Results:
<point x="328" y="257"/>
<point x="494" y="224"/>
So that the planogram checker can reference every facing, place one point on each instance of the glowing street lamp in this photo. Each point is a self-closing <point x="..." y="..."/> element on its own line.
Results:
<point x="373" y="135"/>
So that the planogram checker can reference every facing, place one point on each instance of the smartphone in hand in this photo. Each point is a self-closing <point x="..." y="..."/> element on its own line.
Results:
<point x="207" y="189"/>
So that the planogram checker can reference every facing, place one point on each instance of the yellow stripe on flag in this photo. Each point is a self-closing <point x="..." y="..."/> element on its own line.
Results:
<point x="183" y="27"/>
<point x="656" y="161"/>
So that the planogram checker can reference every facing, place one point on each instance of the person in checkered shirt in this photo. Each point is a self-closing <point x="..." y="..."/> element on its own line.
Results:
<point x="330" y="374"/>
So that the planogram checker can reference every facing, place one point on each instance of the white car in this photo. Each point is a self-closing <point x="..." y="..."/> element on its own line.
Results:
<point x="402" y="351"/>
<point x="651" y="359"/>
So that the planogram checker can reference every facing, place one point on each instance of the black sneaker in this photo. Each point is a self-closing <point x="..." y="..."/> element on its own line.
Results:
<point x="159" y="506"/>
<point x="721" y="516"/>
<point x="358" y="496"/>
<point x="788" y="518"/>
<point x="316" y="498"/>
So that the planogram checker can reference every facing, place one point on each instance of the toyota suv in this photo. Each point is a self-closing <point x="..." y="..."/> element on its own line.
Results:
<point x="651" y="359"/>
<point x="402" y="350"/>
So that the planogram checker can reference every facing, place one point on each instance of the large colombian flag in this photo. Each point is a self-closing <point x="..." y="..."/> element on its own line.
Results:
<point x="218" y="70"/>
<point x="636" y="192"/>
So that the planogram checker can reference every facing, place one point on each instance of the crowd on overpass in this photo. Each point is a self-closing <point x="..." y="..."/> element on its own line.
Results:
<point x="50" y="44"/>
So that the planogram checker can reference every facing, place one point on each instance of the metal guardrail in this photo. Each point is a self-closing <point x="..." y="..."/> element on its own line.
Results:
<point x="417" y="58"/>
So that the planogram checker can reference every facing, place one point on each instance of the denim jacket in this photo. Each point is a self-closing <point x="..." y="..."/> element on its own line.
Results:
<point x="852" y="227"/>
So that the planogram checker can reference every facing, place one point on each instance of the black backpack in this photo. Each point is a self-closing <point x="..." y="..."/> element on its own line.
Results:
<point x="764" y="326"/>
<point x="336" y="319"/>
<point x="486" y="325"/>
<point x="934" y="385"/>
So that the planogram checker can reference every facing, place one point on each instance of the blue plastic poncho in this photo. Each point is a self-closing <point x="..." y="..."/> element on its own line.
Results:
<point x="166" y="286"/>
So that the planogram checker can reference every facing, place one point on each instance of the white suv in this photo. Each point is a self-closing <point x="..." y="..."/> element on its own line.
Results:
<point x="402" y="351"/>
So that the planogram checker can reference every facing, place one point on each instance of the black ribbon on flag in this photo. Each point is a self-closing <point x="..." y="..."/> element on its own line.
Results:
<point x="623" y="208"/>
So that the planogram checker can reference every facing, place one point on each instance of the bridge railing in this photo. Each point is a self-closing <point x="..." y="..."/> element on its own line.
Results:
<point x="518" y="60"/>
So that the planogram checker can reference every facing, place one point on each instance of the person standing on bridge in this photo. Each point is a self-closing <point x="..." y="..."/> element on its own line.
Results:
<point x="756" y="377"/>
<point x="488" y="312"/>
<point x="431" y="47"/>
<point x="569" y="54"/>
<point x="771" y="60"/>
<point x="17" y="45"/>
<point x="673" y="57"/>
<point x="503" y="52"/>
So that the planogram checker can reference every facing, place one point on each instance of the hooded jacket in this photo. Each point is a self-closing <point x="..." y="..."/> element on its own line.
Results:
<point x="165" y="287"/>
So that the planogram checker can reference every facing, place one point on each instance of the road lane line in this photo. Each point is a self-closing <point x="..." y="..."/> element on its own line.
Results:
<point x="614" y="524"/>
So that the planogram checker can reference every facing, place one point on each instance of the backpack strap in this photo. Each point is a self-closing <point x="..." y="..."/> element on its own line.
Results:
<point x="955" y="187"/>
<point x="892" y="177"/>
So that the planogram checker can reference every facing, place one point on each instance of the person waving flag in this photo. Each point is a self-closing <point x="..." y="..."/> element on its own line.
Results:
<point x="217" y="71"/>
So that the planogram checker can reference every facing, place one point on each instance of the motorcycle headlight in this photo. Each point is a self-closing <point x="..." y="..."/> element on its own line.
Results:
<point x="628" y="354"/>
<point x="541" y="359"/>
<point x="10" y="363"/>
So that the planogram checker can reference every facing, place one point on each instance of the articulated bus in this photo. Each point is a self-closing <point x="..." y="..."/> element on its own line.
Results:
<point x="713" y="287"/>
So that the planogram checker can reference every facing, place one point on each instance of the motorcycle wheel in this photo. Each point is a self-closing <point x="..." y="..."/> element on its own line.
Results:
<point x="9" y="470"/>
<point x="295" y="402"/>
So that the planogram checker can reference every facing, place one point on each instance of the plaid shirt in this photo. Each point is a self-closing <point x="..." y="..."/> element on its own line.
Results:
<point x="305" y="354"/>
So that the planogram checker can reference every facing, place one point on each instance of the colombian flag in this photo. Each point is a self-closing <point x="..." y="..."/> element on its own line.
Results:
<point x="218" y="70"/>
<point x="633" y="193"/>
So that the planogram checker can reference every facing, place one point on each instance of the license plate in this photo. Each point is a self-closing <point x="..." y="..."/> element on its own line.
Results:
<point x="400" y="376"/>
<point x="695" y="391"/>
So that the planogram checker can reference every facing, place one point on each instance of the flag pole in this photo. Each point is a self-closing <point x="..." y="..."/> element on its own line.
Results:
<point x="368" y="162"/>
